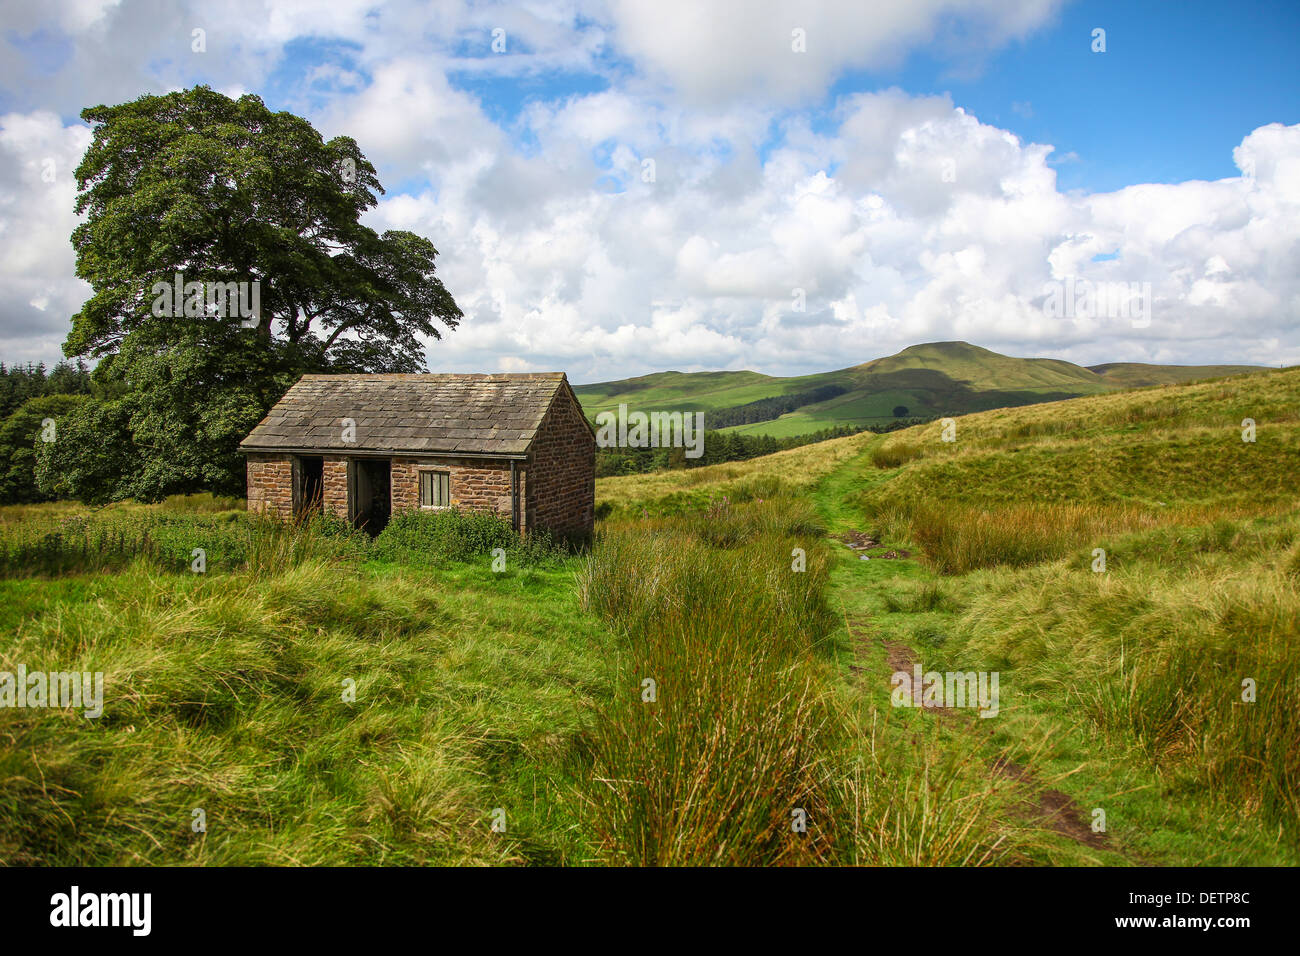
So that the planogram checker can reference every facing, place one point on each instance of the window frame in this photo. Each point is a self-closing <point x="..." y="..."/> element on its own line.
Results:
<point x="435" y="474"/>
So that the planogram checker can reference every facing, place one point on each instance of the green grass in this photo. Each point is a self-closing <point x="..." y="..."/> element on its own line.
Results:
<point x="1122" y="689"/>
<point x="57" y="541"/>
<point x="475" y="691"/>
<point x="751" y="723"/>
<point x="225" y="693"/>
<point x="1140" y="375"/>
<point x="1124" y="686"/>
<point x="523" y="691"/>
<point x="1019" y="486"/>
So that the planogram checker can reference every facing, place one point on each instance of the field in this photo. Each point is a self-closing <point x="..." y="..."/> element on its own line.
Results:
<point x="711" y="682"/>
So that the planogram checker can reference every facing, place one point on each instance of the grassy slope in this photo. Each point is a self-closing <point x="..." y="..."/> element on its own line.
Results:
<point x="938" y="378"/>
<point x="1123" y="687"/>
<point x="478" y="691"/>
<point x="474" y="691"/>
<point x="1139" y="374"/>
<point x="692" y="391"/>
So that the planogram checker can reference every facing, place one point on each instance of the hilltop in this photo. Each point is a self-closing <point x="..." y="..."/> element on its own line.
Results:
<point x="929" y="380"/>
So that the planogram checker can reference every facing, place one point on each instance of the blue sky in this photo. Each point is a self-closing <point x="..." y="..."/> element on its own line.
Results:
<point x="920" y="172"/>
<point x="1178" y="87"/>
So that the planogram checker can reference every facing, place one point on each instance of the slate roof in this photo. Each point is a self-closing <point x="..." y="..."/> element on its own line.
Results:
<point x="418" y="414"/>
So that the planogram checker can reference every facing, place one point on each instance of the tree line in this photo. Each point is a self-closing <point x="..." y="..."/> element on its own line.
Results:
<point x="766" y="409"/>
<point x="32" y="399"/>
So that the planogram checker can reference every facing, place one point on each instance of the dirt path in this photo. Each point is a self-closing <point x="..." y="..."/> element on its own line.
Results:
<point x="1043" y="806"/>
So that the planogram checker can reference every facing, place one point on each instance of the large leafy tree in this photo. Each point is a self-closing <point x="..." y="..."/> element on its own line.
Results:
<point x="226" y="191"/>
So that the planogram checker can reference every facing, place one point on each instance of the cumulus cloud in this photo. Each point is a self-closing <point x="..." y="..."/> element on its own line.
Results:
<point x="38" y="154"/>
<point x="787" y="51"/>
<point x="682" y="215"/>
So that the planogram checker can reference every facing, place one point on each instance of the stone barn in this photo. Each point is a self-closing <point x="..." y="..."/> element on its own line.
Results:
<point x="367" y="446"/>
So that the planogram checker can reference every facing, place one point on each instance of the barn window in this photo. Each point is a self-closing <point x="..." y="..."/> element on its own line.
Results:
<point x="435" y="489"/>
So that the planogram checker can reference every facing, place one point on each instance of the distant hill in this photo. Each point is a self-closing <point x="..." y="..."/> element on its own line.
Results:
<point x="1138" y="374"/>
<point x="930" y="380"/>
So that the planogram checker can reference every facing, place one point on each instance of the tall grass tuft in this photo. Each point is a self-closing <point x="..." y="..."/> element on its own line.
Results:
<point x="113" y="539"/>
<point x="895" y="454"/>
<point x="957" y="538"/>
<point x="740" y="733"/>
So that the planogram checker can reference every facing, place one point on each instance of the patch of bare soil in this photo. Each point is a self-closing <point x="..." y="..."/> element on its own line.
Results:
<point x="864" y="541"/>
<point x="1052" y="808"/>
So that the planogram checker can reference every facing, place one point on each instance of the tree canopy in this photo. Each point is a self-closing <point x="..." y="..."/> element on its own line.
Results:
<point x="226" y="255"/>
<point x="224" y="190"/>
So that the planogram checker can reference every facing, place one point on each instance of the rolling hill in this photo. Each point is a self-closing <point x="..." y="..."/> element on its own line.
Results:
<point x="930" y="380"/>
<point x="1139" y="374"/>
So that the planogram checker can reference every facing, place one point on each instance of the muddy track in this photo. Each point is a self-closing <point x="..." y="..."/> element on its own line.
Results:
<point x="1046" y="808"/>
<point x="864" y="542"/>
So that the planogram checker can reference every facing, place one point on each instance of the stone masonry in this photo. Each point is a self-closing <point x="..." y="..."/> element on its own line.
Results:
<point x="562" y="474"/>
<point x="475" y="485"/>
<point x="555" y="462"/>
<point x="270" y="485"/>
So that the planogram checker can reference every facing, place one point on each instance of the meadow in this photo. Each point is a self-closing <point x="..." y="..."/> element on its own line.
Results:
<point x="709" y="682"/>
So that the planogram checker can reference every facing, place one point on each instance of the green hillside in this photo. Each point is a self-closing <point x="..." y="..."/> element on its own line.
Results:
<point x="693" y="391"/>
<point x="930" y="380"/>
<point x="1139" y="374"/>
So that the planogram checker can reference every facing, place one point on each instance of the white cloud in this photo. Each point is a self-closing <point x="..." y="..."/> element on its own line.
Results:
<point x="726" y="50"/>
<point x="907" y="219"/>
<point x="38" y="155"/>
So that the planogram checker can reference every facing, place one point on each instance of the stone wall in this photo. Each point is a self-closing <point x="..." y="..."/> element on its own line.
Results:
<point x="334" y="485"/>
<point x="562" y="473"/>
<point x="270" y="484"/>
<point x="474" y="484"/>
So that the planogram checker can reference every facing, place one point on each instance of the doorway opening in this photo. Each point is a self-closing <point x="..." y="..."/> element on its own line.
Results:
<point x="308" y="484"/>
<point x="370" y="493"/>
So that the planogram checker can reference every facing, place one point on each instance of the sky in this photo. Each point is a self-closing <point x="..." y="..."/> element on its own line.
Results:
<point x="619" y="187"/>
